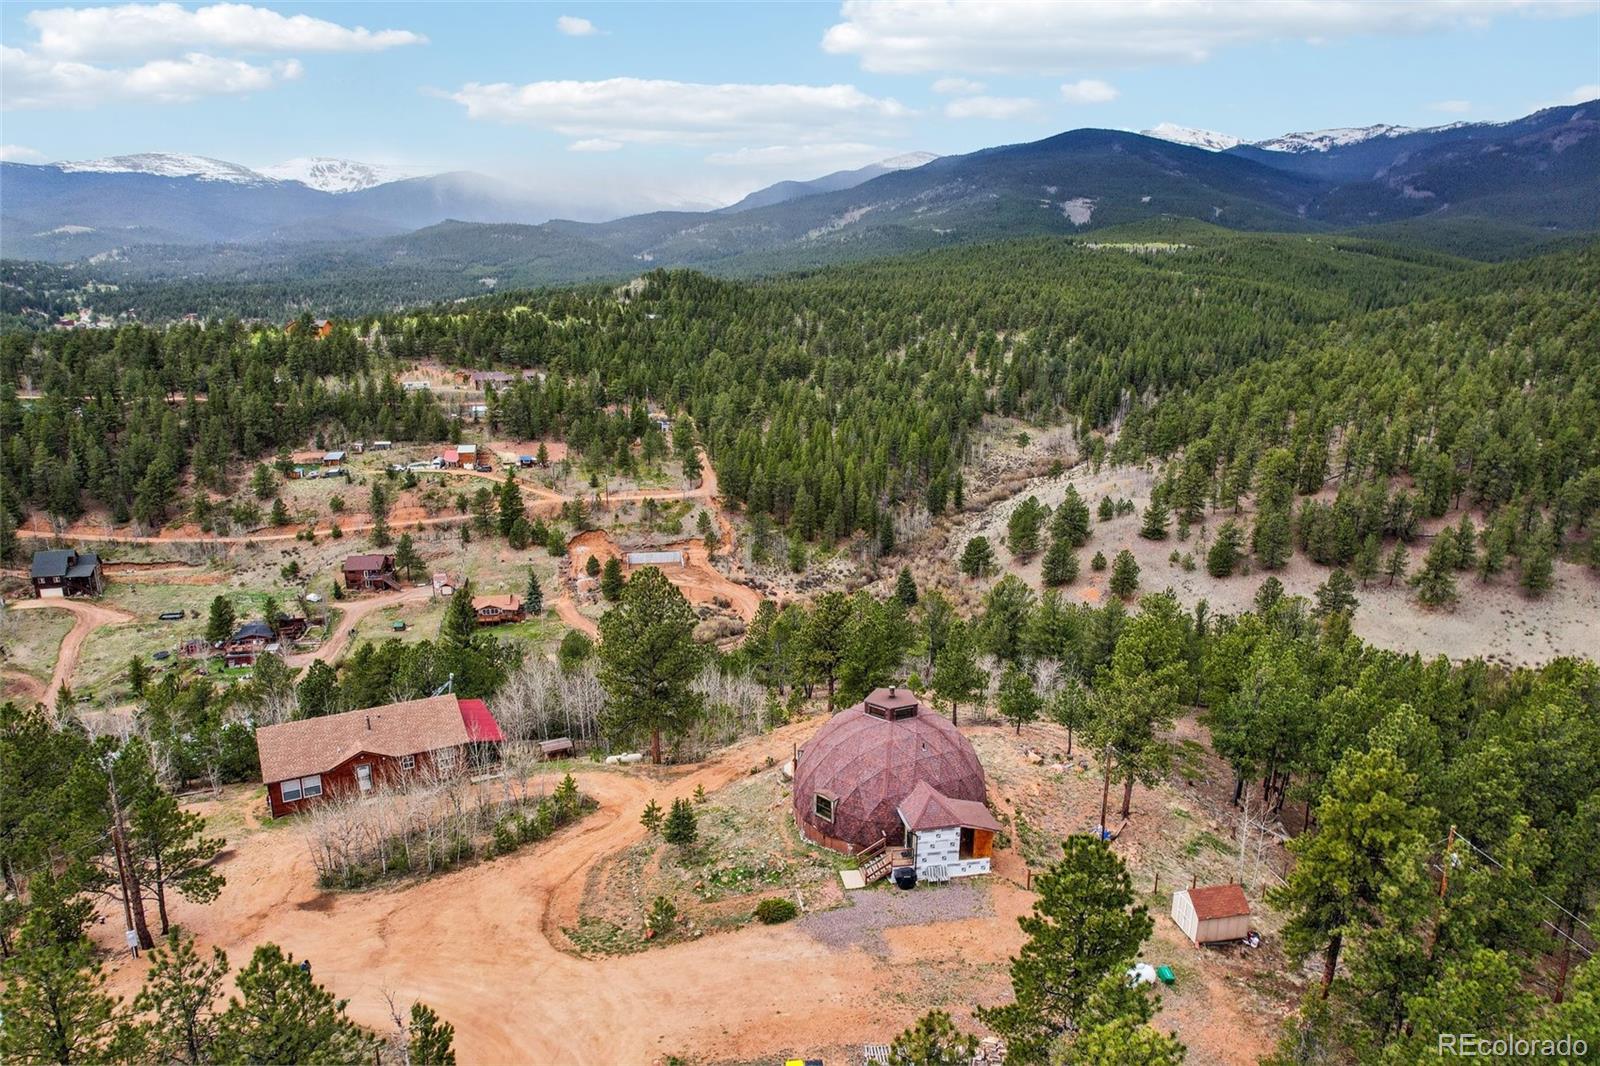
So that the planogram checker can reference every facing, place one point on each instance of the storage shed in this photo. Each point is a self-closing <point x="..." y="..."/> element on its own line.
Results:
<point x="1212" y="914"/>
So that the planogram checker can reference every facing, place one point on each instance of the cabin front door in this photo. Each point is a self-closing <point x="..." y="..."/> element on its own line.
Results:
<point x="364" y="776"/>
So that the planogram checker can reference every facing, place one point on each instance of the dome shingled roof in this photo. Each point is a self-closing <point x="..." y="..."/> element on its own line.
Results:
<point x="867" y="763"/>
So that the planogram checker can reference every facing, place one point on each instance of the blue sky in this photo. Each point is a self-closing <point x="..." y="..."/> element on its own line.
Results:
<point x="686" y="103"/>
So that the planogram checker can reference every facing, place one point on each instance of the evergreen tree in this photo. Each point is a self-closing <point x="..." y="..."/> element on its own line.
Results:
<point x="1019" y="700"/>
<point x="977" y="558"/>
<point x="219" y="623"/>
<point x="1394" y="566"/>
<point x="1436" y="581"/>
<point x="1337" y="595"/>
<point x="533" y="595"/>
<point x="281" y="1015"/>
<point x="1157" y="517"/>
<point x="1060" y="566"/>
<point x="1098" y="563"/>
<point x="317" y="691"/>
<point x="1369" y="843"/>
<point x="431" y="1040"/>
<point x="1124" y="575"/>
<point x="509" y="503"/>
<point x="53" y="1001"/>
<point x="905" y="588"/>
<point x="1022" y="528"/>
<point x="958" y="678"/>
<point x="1086" y="927"/>
<point x="680" y="827"/>
<point x="611" y="581"/>
<point x="1222" y="559"/>
<point x="1070" y="522"/>
<point x="459" y="627"/>
<point x="280" y="513"/>
<point x="651" y="818"/>
<point x="138" y="675"/>
<point x="649" y="661"/>
<point x="1537" y="574"/>
<point x="1106" y="511"/>
<point x="180" y="996"/>
<point x="933" y="1041"/>
<point x="406" y="559"/>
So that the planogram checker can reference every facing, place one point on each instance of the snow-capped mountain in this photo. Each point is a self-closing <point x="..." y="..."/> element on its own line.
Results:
<point x="908" y="161"/>
<point x="1210" y="140"/>
<point x="1324" y="140"/>
<point x="168" y="165"/>
<point x="336" y="175"/>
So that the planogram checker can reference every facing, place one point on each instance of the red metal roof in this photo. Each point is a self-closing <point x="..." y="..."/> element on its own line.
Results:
<point x="1218" y="901"/>
<point x="450" y="455"/>
<point x="481" y="726"/>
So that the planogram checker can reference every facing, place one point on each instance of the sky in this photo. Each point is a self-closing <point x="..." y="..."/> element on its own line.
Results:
<point x="694" y="104"/>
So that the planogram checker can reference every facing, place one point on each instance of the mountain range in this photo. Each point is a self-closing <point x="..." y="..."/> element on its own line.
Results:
<point x="1538" y="175"/>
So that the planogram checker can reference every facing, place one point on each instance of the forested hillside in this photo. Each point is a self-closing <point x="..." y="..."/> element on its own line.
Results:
<point x="1271" y="364"/>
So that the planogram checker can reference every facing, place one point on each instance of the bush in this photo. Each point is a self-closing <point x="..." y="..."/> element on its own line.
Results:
<point x="776" y="910"/>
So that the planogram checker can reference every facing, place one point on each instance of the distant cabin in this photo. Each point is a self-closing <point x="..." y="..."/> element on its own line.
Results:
<point x="1212" y="914"/>
<point x="248" y="643"/>
<point x="493" y="610"/>
<point x="66" y="572"/>
<point x="335" y="458"/>
<point x="369" y="573"/>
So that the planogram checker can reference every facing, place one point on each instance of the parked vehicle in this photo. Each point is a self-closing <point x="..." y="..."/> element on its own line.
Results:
<point x="484" y="468"/>
<point x="422" y="466"/>
<point x="171" y="616"/>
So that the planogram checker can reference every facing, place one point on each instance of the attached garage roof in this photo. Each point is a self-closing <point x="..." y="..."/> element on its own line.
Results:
<point x="1218" y="901"/>
<point x="927" y="808"/>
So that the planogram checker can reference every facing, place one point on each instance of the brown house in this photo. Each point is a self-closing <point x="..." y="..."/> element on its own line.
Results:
<point x="369" y="573"/>
<point x="66" y="572"/>
<point x="248" y="642"/>
<point x="361" y="752"/>
<point x="492" y="610"/>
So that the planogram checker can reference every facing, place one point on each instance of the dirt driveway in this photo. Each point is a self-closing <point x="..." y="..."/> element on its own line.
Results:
<point x="352" y="612"/>
<point x="87" y="617"/>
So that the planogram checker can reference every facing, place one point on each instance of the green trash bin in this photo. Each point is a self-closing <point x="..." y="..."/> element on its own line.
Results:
<point x="1165" y="974"/>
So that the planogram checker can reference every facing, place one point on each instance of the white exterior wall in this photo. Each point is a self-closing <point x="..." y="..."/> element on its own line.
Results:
<point x="941" y="847"/>
<point x="1183" y="914"/>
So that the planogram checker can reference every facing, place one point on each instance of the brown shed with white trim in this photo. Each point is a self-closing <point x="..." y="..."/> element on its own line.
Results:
<point x="1212" y="914"/>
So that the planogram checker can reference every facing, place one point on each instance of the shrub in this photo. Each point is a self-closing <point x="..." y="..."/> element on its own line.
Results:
<point x="776" y="910"/>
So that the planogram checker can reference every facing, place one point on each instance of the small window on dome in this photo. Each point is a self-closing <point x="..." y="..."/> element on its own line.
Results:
<point x="908" y="711"/>
<point x="822" y="806"/>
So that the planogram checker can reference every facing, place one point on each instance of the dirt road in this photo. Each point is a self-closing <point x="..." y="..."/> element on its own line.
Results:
<point x="476" y="945"/>
<point x="87" y="617"/>
<point x="352" y="612"/>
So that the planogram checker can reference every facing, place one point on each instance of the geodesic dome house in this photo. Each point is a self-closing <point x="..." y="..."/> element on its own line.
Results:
<point x="852" y="776"/>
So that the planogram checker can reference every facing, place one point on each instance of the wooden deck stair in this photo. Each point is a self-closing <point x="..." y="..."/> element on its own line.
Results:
<point x="874" y="861"/>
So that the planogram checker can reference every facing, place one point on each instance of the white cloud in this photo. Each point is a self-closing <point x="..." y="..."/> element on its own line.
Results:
<point x="1088" y="91"/>
<point x="674" y="112"/>
<point x="594" y="144"/>
<point x="1048" y="37"/>
<point x="1583" y="94"/>
<point x="990" y="107"/>
<point x="29" y="81"/>
<point x="573" y="26"/>
<point x="958" y="87"/>
<point x="836" y="156"/>
<point x="18" y="153"/>
<point x="1451" y="107"/>
<point x="132" y="30"/>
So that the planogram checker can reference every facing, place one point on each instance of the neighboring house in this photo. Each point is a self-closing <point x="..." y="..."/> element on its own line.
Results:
<point x="248" y="642"/>
<point x="492" y="610"/>
<point x="333" y="459"/>
<point x="361" y="752"/>
<point x="497" y="378"/>
<point x="1212" y="914"/>
<point x="66" y="572"/>
<point x="467" y="455"/>
<point x="450" y="457"/>
<point x="367" y="573"/>
<point x="654" y="558"/>
<point x="948" y="837"/>
<point x="445" y="583"/>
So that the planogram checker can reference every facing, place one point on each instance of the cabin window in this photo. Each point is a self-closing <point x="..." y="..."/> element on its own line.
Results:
<point x="823" y="806"/>
<point x="299" y="788"/>
<point x="408" y="762"/>
<point x="444" y="760"/>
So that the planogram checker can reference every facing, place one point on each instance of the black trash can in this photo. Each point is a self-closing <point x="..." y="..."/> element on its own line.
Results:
<point x="905" y="876"/>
